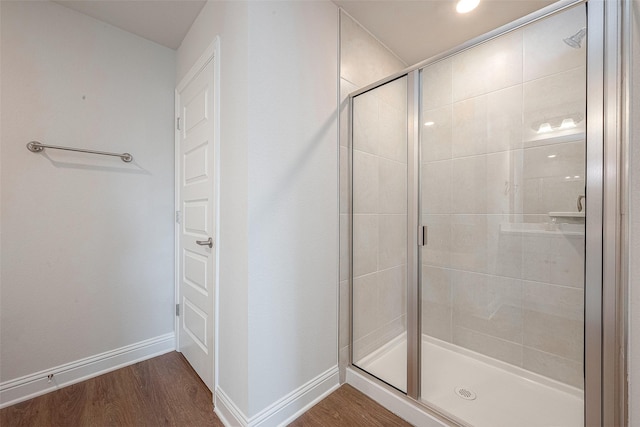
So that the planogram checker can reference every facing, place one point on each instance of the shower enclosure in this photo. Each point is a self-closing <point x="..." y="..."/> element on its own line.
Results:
<point x="468" y="245"/>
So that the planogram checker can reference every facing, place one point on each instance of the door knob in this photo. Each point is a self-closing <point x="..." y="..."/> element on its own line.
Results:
<point x="208" y="242"/>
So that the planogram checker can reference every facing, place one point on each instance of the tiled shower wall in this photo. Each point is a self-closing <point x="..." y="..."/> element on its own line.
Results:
<point x="500" y="275"/>
<point x="363" y="60"/>
<point x="379" y="217"/>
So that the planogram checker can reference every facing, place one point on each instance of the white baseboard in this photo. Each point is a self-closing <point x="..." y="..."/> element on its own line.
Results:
<point x="227" y="411"/>
<point x="33" y="385"/>
<point x="297" y="402"/>
<point x="283" y="411"/>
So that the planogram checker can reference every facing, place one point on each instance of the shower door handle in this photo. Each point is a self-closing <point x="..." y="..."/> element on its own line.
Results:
<point x="208" y="242"/>
<point x="422" y="235"/>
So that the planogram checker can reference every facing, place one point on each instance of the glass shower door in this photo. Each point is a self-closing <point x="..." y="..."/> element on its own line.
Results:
<point x="502" y="183"/>
<point x="379" y="232"/>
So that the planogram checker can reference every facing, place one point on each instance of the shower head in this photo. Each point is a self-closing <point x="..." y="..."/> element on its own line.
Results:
<point x="575" y="41"/>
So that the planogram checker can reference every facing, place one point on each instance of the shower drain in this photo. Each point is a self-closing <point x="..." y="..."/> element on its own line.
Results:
<point x="465" y="393"/>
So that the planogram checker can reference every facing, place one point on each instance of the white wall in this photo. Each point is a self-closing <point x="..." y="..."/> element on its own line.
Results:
<point x="293" y="195"/>
<point x="229" y="21"/>
<point x="87" y="262"/>
<point x="634" y="224"/>
<point x="278" y="194"/>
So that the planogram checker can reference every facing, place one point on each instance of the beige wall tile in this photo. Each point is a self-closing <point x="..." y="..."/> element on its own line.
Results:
<point x="488" y="304"/>
<point x="555" y="334"/>
<point x="560" y="194"/>
<point x="505" y="322"/>
<point x="553" y="177"/>
<point x="503" y="182"/>
<point x="436" y="284"/>
<point x="392" y="179"/>
<point x="487" y="184"/>
<point x="365" y="183"/>
<point x="537" y="262"/>
<point x="378" y="338"/>
<point x="488" y="345"/>
<point x="491" y="66"/>
<point x="392" y="123"/>
<point x="468" y="175"/>
<point x="392" y="302"/>
<point x="436" y="187"/>
<point x="438" y="250"/>
<point x="504" y="248"/>
<point x="560" y="301"/>
<point x="568" y="250"/>
<point x="366" y="129"/>
<point x="504" y="119"/>
<point x="363" y="60"/>
<point x="365" y="244"/>
<point x="469" y="242"/>
<point x="392" y="241"/>
<point x="394" y="94"/>
<point x="558" y="368"/>
<point x="366" y="318"/>
<point x="470" y="130"/>
<point x="436" y="302"/>
<point x="436" y="85"/>
<point x="436" y="136"/>
<point x="436" y="320"/>
<point x="544" y="51"/>
<point x="554" y="258"/>
<point x="551" y="99"/>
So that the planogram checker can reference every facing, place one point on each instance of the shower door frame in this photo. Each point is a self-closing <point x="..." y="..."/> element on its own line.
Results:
<point x="604" y="396"/>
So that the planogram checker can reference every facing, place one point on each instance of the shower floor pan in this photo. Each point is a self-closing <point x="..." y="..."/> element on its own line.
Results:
<point x="478" y="390"/>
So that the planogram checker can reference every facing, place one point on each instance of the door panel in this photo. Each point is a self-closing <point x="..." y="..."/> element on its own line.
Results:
<point x="196" y="217"/>
<point x="196" y="261"/>
<point x="195" y="271"/>
<point x="195" y="164"/>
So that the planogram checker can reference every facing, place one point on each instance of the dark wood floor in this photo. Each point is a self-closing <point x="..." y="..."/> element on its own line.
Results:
<point x="347" y="407"/>
<point x="165" y="391"/>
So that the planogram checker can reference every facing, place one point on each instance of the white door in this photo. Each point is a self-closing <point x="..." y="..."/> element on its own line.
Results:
<point x="196" y="263"/>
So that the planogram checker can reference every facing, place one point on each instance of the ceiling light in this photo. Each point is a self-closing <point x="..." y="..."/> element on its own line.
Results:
<point x="568" y="124"/>
<point x="551" y="156"/>
<point x="429" y="123"/>
<point x="465" y="6"/>
<point x="544" y="128"/>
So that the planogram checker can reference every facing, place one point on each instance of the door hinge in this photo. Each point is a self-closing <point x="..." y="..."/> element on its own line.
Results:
<point x="177" y="217"/>
<point x="178" y="123"/>
<point x="422" y="235"/>
<point x="177" y="309"/>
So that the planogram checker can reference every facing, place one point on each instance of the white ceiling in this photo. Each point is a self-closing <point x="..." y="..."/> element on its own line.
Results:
<point x="164" y="22"/>
<point x="418" y="29"/>
<point x="413" y="29"/>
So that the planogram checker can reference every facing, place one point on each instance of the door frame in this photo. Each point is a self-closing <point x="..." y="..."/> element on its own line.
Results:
<point x="211" y="53"/>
